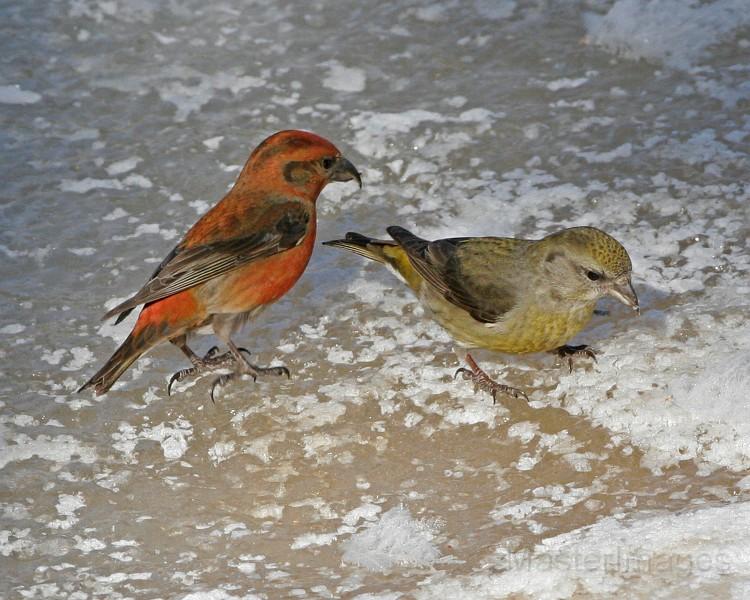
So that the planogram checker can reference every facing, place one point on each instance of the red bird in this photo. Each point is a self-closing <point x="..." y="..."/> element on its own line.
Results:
<point x="242" y="255"/>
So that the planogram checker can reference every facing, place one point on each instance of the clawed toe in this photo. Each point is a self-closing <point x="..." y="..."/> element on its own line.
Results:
<point x="212" y="352"/>
<point x="236" y="360"/>
<point x="275" y="371"/>
<point x="485" y="383"/>
<point x="251" y="370"/>
<point x="570" y="352"/>
<point x="246" y="367"/>
<point x="179" y="376"/>
<point x="190" y="372"/>
<point x="211" y="360"/>
<point x="499" y="388"/>
<point x="220" y="382"/>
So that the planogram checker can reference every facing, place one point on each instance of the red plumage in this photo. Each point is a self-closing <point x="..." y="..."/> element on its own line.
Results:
<point x="243" y="254"/>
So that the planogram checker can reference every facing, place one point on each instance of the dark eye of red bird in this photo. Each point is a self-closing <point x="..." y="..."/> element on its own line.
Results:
<point x="593" y="275"/>
<point x="327" y="162"/>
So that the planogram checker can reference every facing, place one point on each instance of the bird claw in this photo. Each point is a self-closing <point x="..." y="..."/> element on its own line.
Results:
<point x="251" y="370"/>
<point x="282" y="370"/>
<point x="254" y="371"/>
<point x="504" y="389"/>
<point x="211" y="360"/>
<point x="485" y="383"/>
<point x="569" y="352"/>
<point x="220" y="382"/>
<point x="240" y="365"/>
<point x="179" y="376"/>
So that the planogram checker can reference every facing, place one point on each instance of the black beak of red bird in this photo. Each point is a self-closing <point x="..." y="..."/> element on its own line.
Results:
<point x="343" y="170"/>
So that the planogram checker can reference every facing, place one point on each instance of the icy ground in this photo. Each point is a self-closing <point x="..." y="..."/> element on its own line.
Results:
<point x="372" y="474"/>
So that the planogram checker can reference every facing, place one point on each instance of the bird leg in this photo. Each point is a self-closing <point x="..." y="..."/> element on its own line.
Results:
<point x="211" y="361"/>
<point x="484" y="382"/>
<point x="244" y="367"/>
<point x="570" y="352"/>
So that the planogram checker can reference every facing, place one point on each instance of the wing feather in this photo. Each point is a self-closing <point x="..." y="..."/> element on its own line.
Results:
<point x="284" y="227"/>
<point x="474" y="274"/>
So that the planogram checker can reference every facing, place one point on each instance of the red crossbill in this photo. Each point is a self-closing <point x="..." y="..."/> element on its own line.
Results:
<point x="242" y="255"/>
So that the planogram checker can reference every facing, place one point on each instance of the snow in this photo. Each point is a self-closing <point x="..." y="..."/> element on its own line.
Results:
<point x="372" y="472"/>
<point x="173" y="438"/>
<point x="67" y="506"/>
<point x="344" y="79"/>
<point x="13" y="94"/>
<point x="566" y="83"/>
<point x="12" y="329"/>
<point x="686" y="554"/>
<point x="123" y="166"/>
<point x="60" y="449"/>
<point x="677" y="33"/>
<point x="213" y="143"/>
<point x="395" y="539"/>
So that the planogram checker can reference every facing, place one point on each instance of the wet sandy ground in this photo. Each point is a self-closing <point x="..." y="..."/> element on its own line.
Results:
<point x="507" y="119"/>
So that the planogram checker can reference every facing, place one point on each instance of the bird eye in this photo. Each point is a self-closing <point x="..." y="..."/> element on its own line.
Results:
<point x="593" y="275"/>
<point x="327" y="162"/>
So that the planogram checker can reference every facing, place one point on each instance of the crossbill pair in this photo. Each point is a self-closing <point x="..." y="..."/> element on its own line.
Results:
<point x="504" y="294"/>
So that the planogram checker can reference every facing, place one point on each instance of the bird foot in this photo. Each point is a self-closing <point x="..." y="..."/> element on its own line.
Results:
<point x="246" y="368"/>
<point x="484" y="382"/>
<point x="570" y="352"/>
<point x="211" y="361"/>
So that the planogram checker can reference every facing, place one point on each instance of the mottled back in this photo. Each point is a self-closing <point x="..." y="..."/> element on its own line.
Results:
<point x="478" y="275"/>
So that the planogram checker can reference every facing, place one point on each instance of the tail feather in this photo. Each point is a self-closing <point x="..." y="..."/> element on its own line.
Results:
<point x="124" y="356"/>
<point x="413" y="244"/>
<point x="122" y="310"/>
<point x="392" y="254"/>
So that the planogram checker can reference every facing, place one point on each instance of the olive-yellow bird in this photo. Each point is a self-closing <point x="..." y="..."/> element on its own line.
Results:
<point x="242" y="255"/>
<point x="507" y="294"/>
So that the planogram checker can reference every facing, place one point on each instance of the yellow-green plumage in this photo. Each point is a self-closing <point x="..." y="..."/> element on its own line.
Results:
<point x="506" y="294"/>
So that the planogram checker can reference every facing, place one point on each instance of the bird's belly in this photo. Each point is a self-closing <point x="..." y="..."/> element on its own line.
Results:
<point x="259" y="283"/>
<point x="521" y="331"/>
<point x="537" y="330"/>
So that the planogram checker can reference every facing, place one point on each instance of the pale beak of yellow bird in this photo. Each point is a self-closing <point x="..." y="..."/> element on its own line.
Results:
<point x="622" y="290"/>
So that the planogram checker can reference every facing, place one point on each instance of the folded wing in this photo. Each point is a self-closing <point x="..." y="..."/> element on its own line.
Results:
<point x="283" y="226"/>
<point x="478" y="275"/>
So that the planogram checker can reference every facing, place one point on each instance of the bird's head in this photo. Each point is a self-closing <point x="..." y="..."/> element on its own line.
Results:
<point x="299" y="160"/>
<point x="585" y="264"/>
